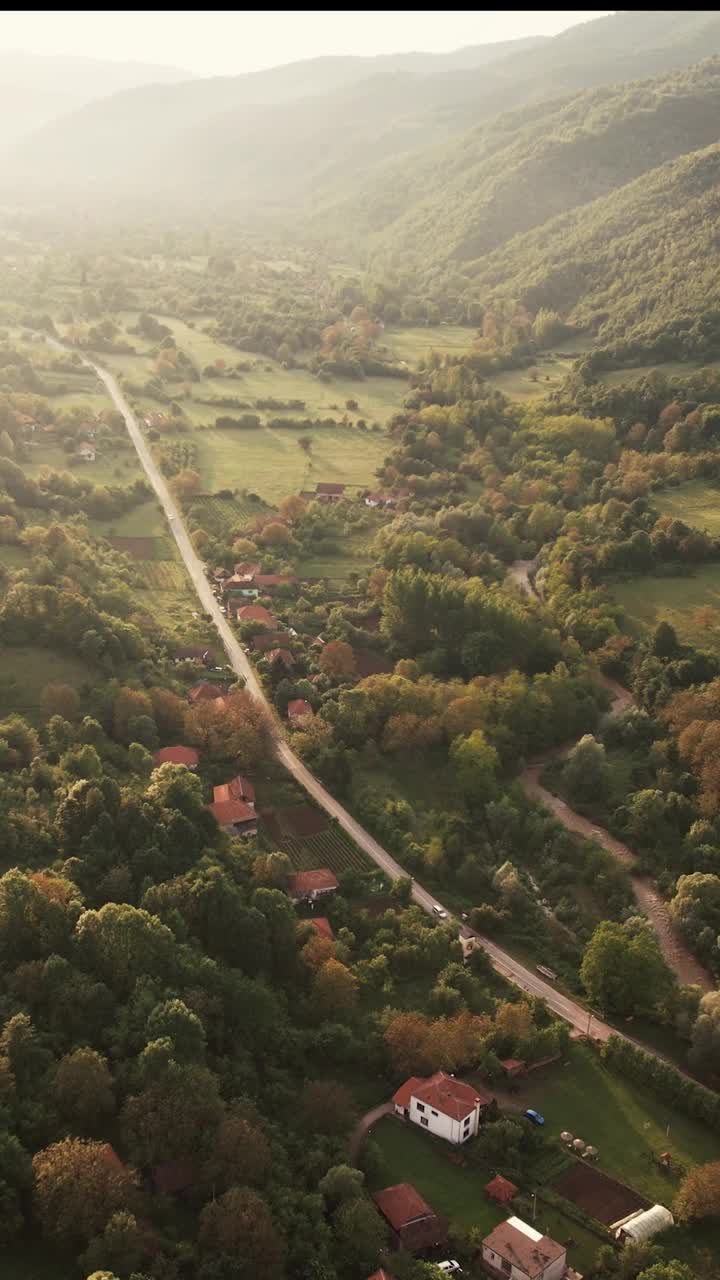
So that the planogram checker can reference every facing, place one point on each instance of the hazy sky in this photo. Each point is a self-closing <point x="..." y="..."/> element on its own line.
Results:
<point x="216" y="42"/>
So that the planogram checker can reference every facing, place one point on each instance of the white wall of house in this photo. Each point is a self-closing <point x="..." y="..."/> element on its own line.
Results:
<point x="455" y="1131"/>
<point x="554" y="1271"/>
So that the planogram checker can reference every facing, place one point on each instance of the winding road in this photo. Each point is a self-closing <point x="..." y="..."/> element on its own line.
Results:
<point x="580" y="1018"/>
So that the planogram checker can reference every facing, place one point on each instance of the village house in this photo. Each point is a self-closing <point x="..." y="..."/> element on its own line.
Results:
<point x="415" y="1224"/>
<point x="308" y="886"/>
<point x="380" y="500"/>
<point x="256" y="613"/>
<point x="233" y="807"/>
<point x="322" y="925"/>
<point x="177" y="755"/>
<point x="205" y="691"/>
<point x="443" y="1105"/>
<point x="298" y="708"/>
<point x="196" y="653"/>
<point x="515" y="1251"/>
<point x="329" y="492"/>
<point x="237" y="788"/>
<point x="266" y="640"/>
<point x="281" y="655"/>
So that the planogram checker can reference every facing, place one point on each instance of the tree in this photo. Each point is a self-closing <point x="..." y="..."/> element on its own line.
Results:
<point x="623" y="969"/>
<point x="275" y="534"/>
<point x="79" y="1185"/>
<point x="696" y="911"/>
<point x="237" y="730"/>
<point x="82" y="1089"/>
<point x="586" y="771"/>
<point x="240" y="1223"/>
<point x="240" y="1154"/>
<point x="272" y="870"/>
<point x="292" y="508"/>
<point x="699" y="1193"/>
<point x="341" y="1183"/>
<point x="61" y="700"/>
<point x="305" y="443"/>
<point x="704" y="1053"/>
<point x="334" y="990"/>
<point x="120" y="943"/>
<point x="176" y="1113"/>
<point x="360" y="1236"/>
<point x="129" y="704"/>
<point x="173" y="1020"/>
<point x="186" y="483"/>
<point x="337" y="659"/>
<point x="120" y="1250"/>
<point x="672" y="1270"/>
<point x="475" y="764"/>
<point x="327" y="1107"/>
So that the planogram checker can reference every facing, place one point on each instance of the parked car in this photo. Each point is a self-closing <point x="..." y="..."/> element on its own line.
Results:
<point x="450" y="1267"/>
<point x="534" y="1116"/>
<point x="439" y="911"/>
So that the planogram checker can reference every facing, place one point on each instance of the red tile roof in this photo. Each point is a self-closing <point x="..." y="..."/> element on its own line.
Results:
<point x="246" y="569"/>
<point x="205" y="691"/>
<point x="281" y="655"/>
<point x="401" y="1205"/>
<point x="299" y="707"/>
<point x="406" y="1091"/>
<point x="532" y="1257"/>
<point x="232" y="812"/>
<point x="447" y="1095"/>
<point x="255" y="613"/>
<point x="330" y="488"/>
<point x="273" y="579"/>
<point x="177" y="755"/>
<point x="513" y="1066"/>
<point x="323" y="927"/>
<point x="501" y="1189"/>
<point x="312" y="881"/>
<point x="236" y="789"/>
<point x="266" y="640"/>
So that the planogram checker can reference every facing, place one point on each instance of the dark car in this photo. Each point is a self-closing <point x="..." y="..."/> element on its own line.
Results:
<point x="534" y="1116"/>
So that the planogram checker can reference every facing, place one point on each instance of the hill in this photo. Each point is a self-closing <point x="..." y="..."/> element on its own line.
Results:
<point x="35" y="88"/>
<point x="325" y="128"/>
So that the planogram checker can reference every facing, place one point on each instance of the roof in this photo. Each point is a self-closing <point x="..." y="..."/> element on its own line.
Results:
<point x="255" y="613"/>
<point x="266" y="640"/>
<point x="513" y="1065"/>
<point x="246" y="569"/>
<point x="273" y="579"/>
<point x="199" y="651"/>
<point x="402" y="1204"/>
<point x="173" y="1176"/>
<point x="523" y="1247"/>
<point x="231" y="813"/>
<point x="177" y="755"/>
<point x="312" y="881"/>
<point x="281" y="655"/>
<point x="450" y="1096"/>
<point x="646" y="1223"/>
<point x="299" y="707"/>
<point x="205" y="691"/>
<point x="323" y="927"/>
<point x="329" y="488"/>
<point x="403" y="1095"/>
<point x="501" y="1189"/>
<point x="236" y="789"/>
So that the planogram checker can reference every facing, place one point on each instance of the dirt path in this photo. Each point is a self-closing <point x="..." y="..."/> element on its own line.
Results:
<point x="364" y="1125"/>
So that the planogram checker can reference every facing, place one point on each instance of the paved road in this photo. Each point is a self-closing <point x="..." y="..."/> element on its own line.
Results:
<point x="504" y="963"/>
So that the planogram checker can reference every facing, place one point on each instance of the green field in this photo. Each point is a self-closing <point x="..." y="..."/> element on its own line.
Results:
<point x="31" y="668"/>
<point x="646" y="601"/>
<point x="112" y="465"/>
<point x="696" y="503"/>
<point x="671" y="369"/>
<point x="457" y="1193"/>
<point x="413" y="344"/>
<point x="522" y="384"/>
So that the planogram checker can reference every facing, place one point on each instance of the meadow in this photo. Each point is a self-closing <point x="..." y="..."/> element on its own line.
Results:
<point x="697" y="503"/>
<point x="25" y="671"/>
<point x="689" y="601"/>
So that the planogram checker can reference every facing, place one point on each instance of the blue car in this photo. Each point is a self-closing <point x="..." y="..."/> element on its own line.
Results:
<point x="535" y="1116"/>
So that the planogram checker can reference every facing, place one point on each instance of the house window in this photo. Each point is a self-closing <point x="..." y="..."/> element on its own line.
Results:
<point x="467" y="1122"/>
<point x="420" y="1106"/>
<point x="433" y="1113"/>
<point x="424" y="1120"/>
<point x="506" y="1266"/>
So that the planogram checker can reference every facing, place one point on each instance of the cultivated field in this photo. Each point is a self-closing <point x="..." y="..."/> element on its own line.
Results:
<point x="598" y="1195"/>
<point x="303" y="833"/>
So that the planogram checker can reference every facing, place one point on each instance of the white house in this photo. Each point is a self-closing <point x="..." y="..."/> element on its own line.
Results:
<point x="443" y="1105"/>
<point x="516" y="1251"/>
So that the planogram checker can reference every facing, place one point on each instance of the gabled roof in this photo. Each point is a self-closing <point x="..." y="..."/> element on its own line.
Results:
<point x="177" y="755"/>
<point x="402" y="1204"/>
<point x="403" y="1095"/>
<point x="323" y="926"/>
<point x="236" y="789"/>
<point x="299" y="707"/>
<point x="330" y="488"/>
<point x="501" y="1189"/>
<point x="231" y="813"/>
<point x="266" y="640"/>
<point x="255" y="613"/>
<point x="312" y="881"/>
<point x="246" y="569"/>
<point x="523" y="1247"/>
<point x="445" y="1094"/>
<point x="282" y="655"/>
<point x="205" y="691"/>
<point x="273" y="579"/>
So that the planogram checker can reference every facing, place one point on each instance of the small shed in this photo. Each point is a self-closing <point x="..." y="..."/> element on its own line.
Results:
<point x="501" y="1190"/>
<point x="644" y="1224"/>
<point x="513" y="1067"/>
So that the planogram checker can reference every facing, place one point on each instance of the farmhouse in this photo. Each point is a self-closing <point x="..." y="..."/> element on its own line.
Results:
<point x="310" y="885"/>
<point x="256" y="613"/>
<point x="281" y="655"/>
<point x="329" y="492"/>
<point x="516" y="1251"/>
<point x="414" y="1222"/>
<point x="236" y="789"/>
<point x="235" y="816"/>
<point x="205" y="691"/>
<point x="196" y="653"/>
<point x="443" y="1105"/>
<point x="177" y="755"/>
<point x="298" y="708"/>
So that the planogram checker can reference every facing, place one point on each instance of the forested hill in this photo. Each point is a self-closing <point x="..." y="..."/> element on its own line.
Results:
<point x="518" y="171"/>
<point x="328" y="126"/>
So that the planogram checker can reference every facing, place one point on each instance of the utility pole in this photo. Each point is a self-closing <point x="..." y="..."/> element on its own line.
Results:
<point x="587" y="1033"/>
<point x="534" y="1204"/>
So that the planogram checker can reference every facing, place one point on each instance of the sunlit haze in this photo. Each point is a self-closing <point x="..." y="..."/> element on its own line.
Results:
<point x="215" y="42"/>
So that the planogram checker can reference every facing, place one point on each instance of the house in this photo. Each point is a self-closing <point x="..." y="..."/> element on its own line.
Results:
<point x="196" y="653"/>
<point x="329" y="492"/>
<point x="236" y="789"/>
<point x="281" y="655"/>
<point x="267" y="581"/>
<point x="515" y="1251"/>
<point x="256" y="613"/>
<point x="513" y="1067"/>
<point x="205" y="691"/>
<point x="235" y="816"/>
<point x="414" y="1222"/>
<point x="501" y="1190"/>
<point x="173" y="1177"/>
<point x="311" y="885"/>
<point x="266" y="640"/>
<point x="380" y="500"/>
<point x="322" y="925"/>
<point x="298" y="708"/>
<point x="443" y="1105"/>
<point x="177" y="755"/>
<point x="87" y="452"/>
<point x="246" y="569"/>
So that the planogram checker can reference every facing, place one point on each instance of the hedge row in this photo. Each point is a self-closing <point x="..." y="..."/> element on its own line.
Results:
<point x="665" y="1081"/>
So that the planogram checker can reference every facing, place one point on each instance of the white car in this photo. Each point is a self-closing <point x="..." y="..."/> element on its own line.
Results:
<point x="439" y="911"/>
<point x="450" y="1267"/>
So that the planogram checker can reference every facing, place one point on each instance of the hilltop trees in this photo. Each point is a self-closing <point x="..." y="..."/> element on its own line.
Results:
<point x="78" y="1186"/>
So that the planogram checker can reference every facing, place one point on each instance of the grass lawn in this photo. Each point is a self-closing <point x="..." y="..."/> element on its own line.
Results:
<point x="144" y="521"/>
<point x="646" y="601"/>
<point x="32" y="668"/>
<point x="112" y="466"/>
<point x="671" y="369"/>
<point x="413" y="344"/>
<point x="697" y="503"/>
<point x="627" y="1124"/>
<point x="517" y="384"/>
<point x="457" y="1193"/>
